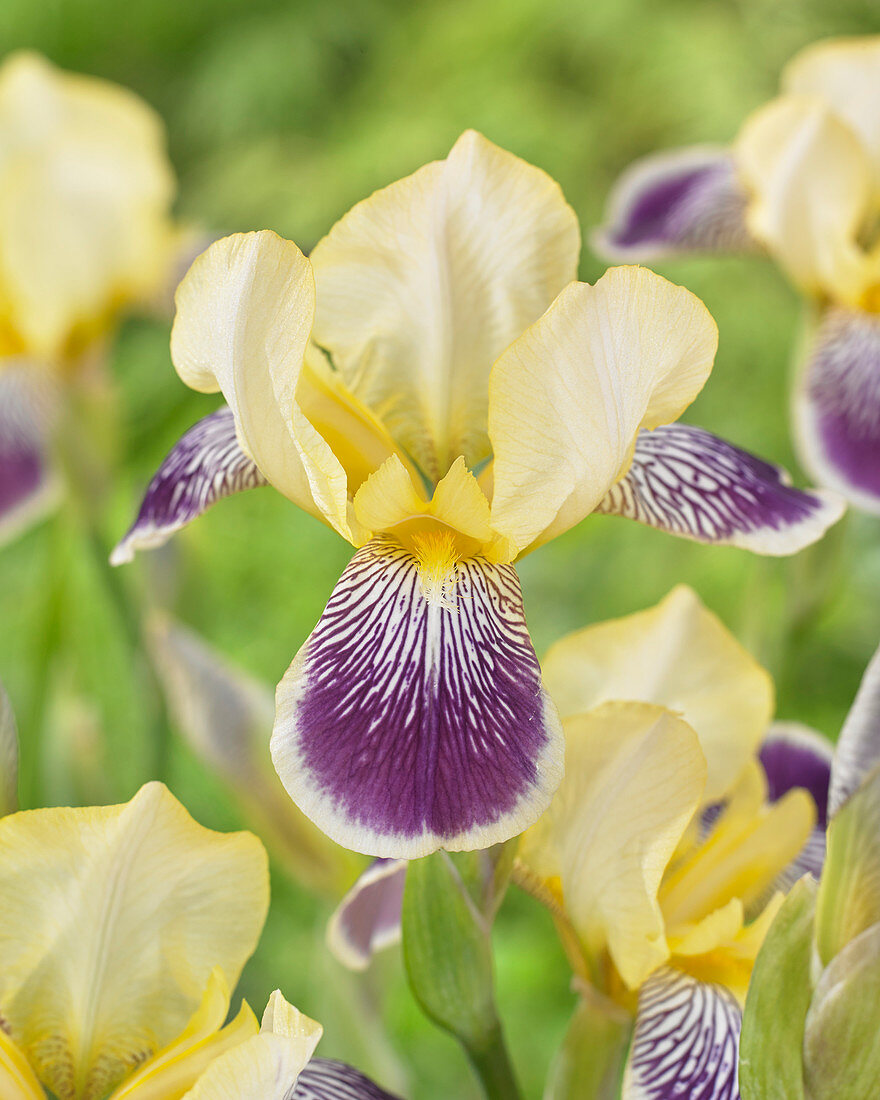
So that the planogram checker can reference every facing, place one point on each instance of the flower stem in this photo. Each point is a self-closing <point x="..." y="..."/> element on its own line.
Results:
<point x="492" y="1065"/>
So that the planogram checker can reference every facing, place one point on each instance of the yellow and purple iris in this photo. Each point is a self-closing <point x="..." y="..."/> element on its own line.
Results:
<point x="122" y="930"/>
<point x="802" y="182"/>
<point x="435" y="385"/>
<point x="85" y="232"/>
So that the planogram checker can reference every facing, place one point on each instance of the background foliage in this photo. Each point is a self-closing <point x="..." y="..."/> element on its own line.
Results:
<point x="281" y="115"/>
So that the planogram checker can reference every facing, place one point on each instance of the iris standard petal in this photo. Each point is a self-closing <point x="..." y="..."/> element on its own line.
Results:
<point x="113" y="920"/>
<point x="677" y="655"/>
<point x="267" y="1065"/>
<point x="686" y="200"/>
<point x="8" y="756"/>
<point x="634" y="775"/>
<point x="414" y="716"/>
<point x="84" y="203"/>
<point x="323" y="1079"/>
<point x="567" y="399"/>
<point x="244" y="316"/>
<point x="204" y="466"/>
<point x="691" y="483"/>
<point x="425" y="283"/>
<point x="28" y="487"/>
<point x="810" y="184"/>
<point x="368" y="917"/>
<point x="837" y="406"/>
<point x="858" y="748"/>
<point x="686" y="1041"/>
<point x="845" y="73"/>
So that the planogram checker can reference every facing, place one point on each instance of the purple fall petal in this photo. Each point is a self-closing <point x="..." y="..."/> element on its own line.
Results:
<point x="28" y="488"/>
<point x="407" y="724"/>
<point x="795" y="756"/>
<point x="323" y="1079"/>
<point x="686" y="1041"/>
<point x="688" y="482"/>
<point x="687" y="200"/>
<point x="368" y="917"/>
<point x="205" y="465"/>
<point x="858" y="749"/>
<point x="837" y="407"/>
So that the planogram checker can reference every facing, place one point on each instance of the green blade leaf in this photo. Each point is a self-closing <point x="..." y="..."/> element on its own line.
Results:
<point x="841" y="1052"/>
<point x="8" y="756"/>
<point x="771" y="1043"/>
<point x="590" y="1063"/>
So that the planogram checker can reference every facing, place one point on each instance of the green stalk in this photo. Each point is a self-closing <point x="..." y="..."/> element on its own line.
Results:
<point x="492" y="1065"/>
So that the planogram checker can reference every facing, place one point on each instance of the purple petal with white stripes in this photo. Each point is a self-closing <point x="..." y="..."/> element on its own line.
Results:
<point x="858" y="748"/>
<point x="324" y="1079"/>
<point x="368" y="917"/>
<point x="837" y="407"/>
<point x="686" y="1041"/>
<point x="691" y="483"/>
<point x="28" y="488"/>
<point x="205" y="465"/>
<point x="687" y="200"/>
<point x="409" y="723"/>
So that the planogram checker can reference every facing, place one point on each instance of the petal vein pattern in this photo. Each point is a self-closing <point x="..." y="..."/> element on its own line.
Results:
<point x="688" y="482"/>
<point x="323" y="1079"/>
<point x="408" y="723"/>
<point x="204" y="466"/>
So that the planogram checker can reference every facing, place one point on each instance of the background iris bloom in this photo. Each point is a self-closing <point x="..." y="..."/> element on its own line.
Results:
<point x="121" y="931"/>
<point x="85" y="232"/>
<point x="663" y="852"/>
<point x="801" y="180"/>
<point x="435" y="386"/>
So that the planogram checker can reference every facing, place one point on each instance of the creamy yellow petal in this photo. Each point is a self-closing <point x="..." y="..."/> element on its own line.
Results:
<point x="85" y="194"/>
<point x="634" y="776"/>
<point x="700" y="937"/>
<point x="113" y="920"/>
<point x="568" y="398"/>
<point x="177" y="1067"/>
<point x="810" y="183"/>
<point x="388" y="497"/>
<point x="845" y="73"/>
<point x="17" y="1079"/>
<point x="422" y="286"/>
<point x="244" y="314"/>
<point x="265" y="1067"/>
<point x="680" y="655"/>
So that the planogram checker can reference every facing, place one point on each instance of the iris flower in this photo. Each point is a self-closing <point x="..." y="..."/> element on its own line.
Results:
<point x="122" y="929"/>
<point x="435" y="385"/>
<point x="664" y="853"/>
<point x="85" y="232"/>
<point x="802" y="182"/>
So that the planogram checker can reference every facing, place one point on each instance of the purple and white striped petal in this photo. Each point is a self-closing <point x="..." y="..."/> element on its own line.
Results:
<point x="368" y="917"/>
<point x="686" y="1041"/>
<point x="837" y="407"/>
<point x="410" y="722"/>
<point x="205" y="465"/>
<point x="858" y="748"/>
<point x="324" y="1079"/>
<point x="28" y="487"/>
<point x="686" y="200"/>
<point x="688" y="482"/>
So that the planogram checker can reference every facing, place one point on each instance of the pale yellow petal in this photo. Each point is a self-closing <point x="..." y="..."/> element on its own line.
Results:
<point x="680" y="655"/>
<point x="17" y="1079"/>
<point x="244" y="315"/>
<point x="177" y="1067"/>
<point x="718" y="927"/>
<point x="422" y="286"/>
<point x="85" y="195"/>
<point x="845" y="73"/>
<point x="265" y="1067"/>
<point x="810" y="184"/>
<point x="113" y="919"/>
<point x="388" y="497"/>
<point x="568" y="398"/>
<point x="634" y="776"/>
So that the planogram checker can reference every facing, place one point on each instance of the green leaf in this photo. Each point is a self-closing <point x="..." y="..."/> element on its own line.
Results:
<point x="841" y="1051"/>
<point x="590" y="1063"/>
<point x="8" y="756"/>
<point x="771" y="1043"/>
<point x="849" y="893"/>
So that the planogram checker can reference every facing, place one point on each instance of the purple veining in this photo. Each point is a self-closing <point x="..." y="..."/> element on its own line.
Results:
<point x="324" y="1079"/>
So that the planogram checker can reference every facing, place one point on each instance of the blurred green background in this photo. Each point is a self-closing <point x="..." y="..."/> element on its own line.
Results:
<point x="281" y="115"/>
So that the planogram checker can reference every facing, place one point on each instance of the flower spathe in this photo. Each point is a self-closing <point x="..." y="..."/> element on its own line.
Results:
<point x="802" y="182"/>
<point x="434" y="385"/>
